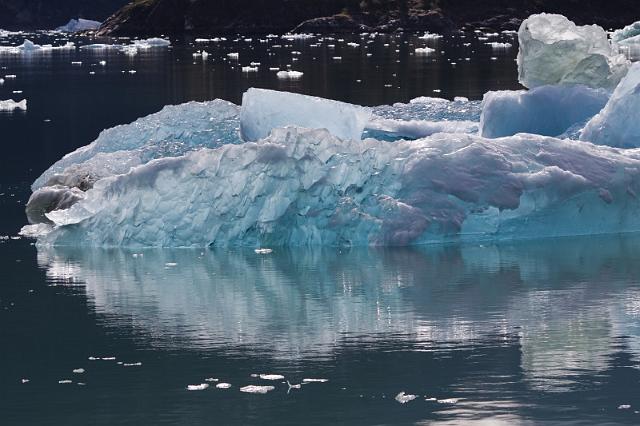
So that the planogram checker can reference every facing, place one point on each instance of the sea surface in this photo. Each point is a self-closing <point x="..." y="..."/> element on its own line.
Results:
<point x="541" y="332"/>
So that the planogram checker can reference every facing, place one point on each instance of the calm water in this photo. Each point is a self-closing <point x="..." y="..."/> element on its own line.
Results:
<point x="541" y="332"/>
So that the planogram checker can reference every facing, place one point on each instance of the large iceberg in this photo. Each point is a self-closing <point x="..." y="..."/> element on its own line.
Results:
<point x="617" y="124"/>
<point x="545" y="110"/>
<point x="308" y="187"/>
<point x="554" y="50"/>
<point x="264" y="110"/>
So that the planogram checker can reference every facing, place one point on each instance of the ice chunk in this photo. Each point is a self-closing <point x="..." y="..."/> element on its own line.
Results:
<point x="306" y="187"/>
<point x="617" y="124"/>
<point x="554" y="50"/>
<point x="28" y="47"/>
<point x="223" y="385"/>
<point x="78" y="371"/>
<point x="200" y="387"/>
<point x="628" y="32"/>
<point x="10" y="105"/>
<point x="545" y="110"/>
<point x="448" y="401"/>
<point x="290" y="75"/>
<point x="424" y="50"/>
<point x="271" y="377"/>
<point x="315" y="380"/>
<point x="403" y="398"/>
<point x="76" y="25"/>
<point x="151" y="42"/>
<point x="264" y="110"/>
<point x="256" y="389"/>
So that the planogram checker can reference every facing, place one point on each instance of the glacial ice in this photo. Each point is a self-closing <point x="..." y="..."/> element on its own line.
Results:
<point x="307" y="187"/>
<point x="264" y="110"/>
<point x="76" y="25"/>
<point x="617" y="124"/>
<point x="28" y="47"/>
<point x="554" y="50"/>
<point x="626" y="33"/>
<point x="544" y="110"/>
<point x="11" y="105"/>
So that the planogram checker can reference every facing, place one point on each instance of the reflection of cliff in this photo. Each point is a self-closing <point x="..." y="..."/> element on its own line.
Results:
<point x="566" y="300"/>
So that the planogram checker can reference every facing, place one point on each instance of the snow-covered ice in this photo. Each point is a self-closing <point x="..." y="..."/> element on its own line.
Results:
<point x="545" y="110"/>
<point x="271" y="376"/>
<point x="256" y="389"/>
<point x="403" y="398"/>
<point x="617" y="124"/>
<point x="10" y="105"/>
<point x="200" y="387"/>
<point x="290" y="75"/>
<point x="554" y="50"/>
<point x="264" y="110"/>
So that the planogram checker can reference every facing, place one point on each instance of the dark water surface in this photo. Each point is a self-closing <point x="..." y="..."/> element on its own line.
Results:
<point x="530" y="333"/>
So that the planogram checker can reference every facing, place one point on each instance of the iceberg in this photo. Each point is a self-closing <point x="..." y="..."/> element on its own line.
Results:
<point x="301" y="187"/>
<point x="554" y="50"/>
<point x="264" y="110"/>
<point x="544" y="110"/>
<point x="626" y="33"/>
<point x="76" y="25"/>
<point x="617" y="124"/>
<point x="30" y="47"/>
<point x="11" y="105"/>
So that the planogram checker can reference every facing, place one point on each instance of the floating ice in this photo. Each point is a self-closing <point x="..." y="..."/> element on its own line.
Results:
<point x="78" y="370"/>
<point x="448" y="401"/>
<point x="10" y="105"/>
<point x="64" y="382"/>
<point x="424" y="50"/>
<point x="132" y="364"/>
<point x="624" y="406"/>
<point x="315" y="380"/>
<point x="264" y="110"/>
<point x="403" y="398"/>
<point x="151" y="42"/>
<point x="271" y="376"/>
<point x="30" y="47"/>
<point x="617" y="123"/>
<point x="210" y="379"/>
<point x="200" y="387"/>
<point x="554" y="50"/>
<point x="430" y="36"/>
<point x="23" y="381"/>
<point x="223" y="385"/>
<point x="545" y="110"/>
<point x="263" y="251"/>
<point x="256" y="389"/>
<point x="76" y="25"/>
<point x="626" y="33"/>
<point x="290" y="75"/>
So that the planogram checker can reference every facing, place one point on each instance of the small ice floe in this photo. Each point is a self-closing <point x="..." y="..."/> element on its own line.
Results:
<point x="11" y="105"/>
<point x="93" y="358"/>
<point x="430" y="36"/>
<point x="337" y="58"/>
<point x="403" y="398"/>
<point x="210" y="379"/>
<point x="256" y="389"/>
<point x="108" y="358"/>
<point x="78" y="371"/>
<point x="431" y="399"/>
<point x="103" y="63"/>
<point x="271" y="376"/>
<point x="132" y="71"/>
<point x="76" y="63"/>
<point x="1" y="81"/>
<point x="249" y="69"/>
<point x="223" y="385"/>
<point x="263" y="250"/>
<point x="314" y="380"/>
<point x="353" y="44"/>
<point x="24" y="381"/>
<point x="624" y="407"/>
<point x="170" y="264"/>
<point x="16" y="92"/>
<point x="424" y="50"/>
<point x="64" y="382"/>
<point x="132" y="364"/>
<point x="448" y="401"/>
<point x="498" y="45"/>
<point x="295" y="386"/>
<point x="10" y="76"/>
<point x="233" y="55"/>
<point x="289" y="75"/>
<point x="81" y="384"/>
<point x="200" y="387"/>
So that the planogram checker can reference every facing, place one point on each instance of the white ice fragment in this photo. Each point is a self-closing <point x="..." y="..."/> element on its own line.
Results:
<point x="233" y="55"/>
<point x="263" y="110"/>
<point x="78" y="371"/>
<point x="544" y="110"/>
<point x="223" y="385"/>
<point x="132" y="364"/>
<point x="171" y="264"/>
<point x="76" y="25"/>
<point x="554" y="50"/>
<point x="294" y="386"/>
<point x="290" y="75"/>
<point x="271" y="376"/>
<point x="10" y="105"/>
<point x="315" y="380"/>
<point x="616" y="125"/>
<point x="256" y="389"/>
<point x="448" y="401"/>
<point x="263" y="251"/>
<point x="64" y="381"/>
<point x="23" y="381"/>
<point x="151" y="43"/>
<point x="403" y="398"/>
<point x="498" y="46"/>
<point x="249" y="69"/>
<point x="108" y="358"/>
<point x="200" y="387"/>
<point x="424" y="50"/>
<point x="210" y="379"/>
<point x="430" y="36"/>
<point x="624" y="406"/>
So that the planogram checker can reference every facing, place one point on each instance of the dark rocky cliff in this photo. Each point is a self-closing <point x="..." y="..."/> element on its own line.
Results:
<point x="48" y="14"/>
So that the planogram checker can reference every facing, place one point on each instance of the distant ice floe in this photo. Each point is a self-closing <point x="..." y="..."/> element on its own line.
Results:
<point x="289" y="75"/>
<point x="11" y="105"/>
<point x="223" y="385"/>
<point x="424" y="50"/>
<point x="271" y="377"/>
<point x="256" y="389"/>
<point x="403" y="398"/>
<point x="77" y="25"/>
<point x="200" y="387"/>
<point x="28" y="47"/>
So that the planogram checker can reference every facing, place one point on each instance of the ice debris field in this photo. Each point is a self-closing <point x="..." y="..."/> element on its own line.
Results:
<point x="559" y="159"/>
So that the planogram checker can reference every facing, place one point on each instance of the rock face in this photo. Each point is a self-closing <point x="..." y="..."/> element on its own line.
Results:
<point x="49" y="14"/>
